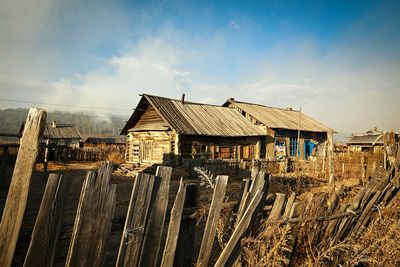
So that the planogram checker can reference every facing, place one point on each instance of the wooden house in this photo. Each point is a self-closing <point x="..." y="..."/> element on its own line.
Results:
<point x="59" y="135"/>
<point x="281" y="127"/>
<point x="370" y="141"/>
<point x="162" y="128"/>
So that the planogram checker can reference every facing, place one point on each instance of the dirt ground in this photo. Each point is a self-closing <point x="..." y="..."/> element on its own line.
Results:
<point x="76" y="173"/>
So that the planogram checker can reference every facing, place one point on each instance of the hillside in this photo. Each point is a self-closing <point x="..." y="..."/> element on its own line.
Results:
<point x="87" y="123"/>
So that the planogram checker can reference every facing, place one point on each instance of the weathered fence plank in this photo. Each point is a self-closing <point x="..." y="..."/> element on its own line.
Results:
<point x="277" y="207"/>
<point x="174" y="226"/>
<point x="156" y="218"/>
<point x="18" y="193"/>
<point x="93" y="219"/>
<point x="239" y="231"/>
<point x="132" y="240"/>
<point x="44" y="239"/>
<point x="185" y="248"/>
<point x="213" y="216"/>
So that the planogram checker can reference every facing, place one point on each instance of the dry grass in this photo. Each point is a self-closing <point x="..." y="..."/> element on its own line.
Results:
<point x="378" y="245"/>
<point x="116" y="157"/>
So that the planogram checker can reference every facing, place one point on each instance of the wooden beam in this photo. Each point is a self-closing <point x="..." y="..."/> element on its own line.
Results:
<point x="156" y="218"/>
<point x="239" y="231"/>
<point x="174" y="227"/>
<point x="18" y="193"/>
<point x="93" y="219"/>
<point x="44" y="239"/>
<point x="212" y="221"/>
<point x="132" y="240"/>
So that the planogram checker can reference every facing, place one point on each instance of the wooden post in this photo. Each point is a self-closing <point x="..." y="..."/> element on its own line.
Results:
<point x="362" y="177"/>
<point x="330" y="158"/>
<point x="46" y="159"/>
<point x="343" y="169"/>
<point x="19" y="188"/>
<point x="212" y="221"/>
<point x="385" y="150"/>
<point x="156" y="217"/>
<point x="298" y="136"/>
<point x="174" y="226"/>
<point x="185" y="248"/>
<point x="44" y="239"/>
<point x="93" y="219"/>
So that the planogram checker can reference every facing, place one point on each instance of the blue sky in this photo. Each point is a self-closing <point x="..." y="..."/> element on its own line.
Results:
<point x="339" y="60"/>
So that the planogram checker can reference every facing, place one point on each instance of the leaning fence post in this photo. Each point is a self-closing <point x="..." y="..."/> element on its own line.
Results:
<point x="44" y="239"/>
<point x="212" y="221"/>
<point x="174" y="227"/>
<point x="18" y="193"/>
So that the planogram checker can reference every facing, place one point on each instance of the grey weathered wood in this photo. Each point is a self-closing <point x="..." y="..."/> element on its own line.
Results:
<point x="185" y="248"/>
<point x="44" y="239"/>
<point x="289" y="205"/>
<point x="239" y="231"/>
<point x="277" y="207"/>
<point x="93" y="219"/>
<point x="156" y="218"/>
<point x="132" y="240"/>
<point x="212" y="221"/>
<point x="18" y="192"/>
<point x="174" y="226"/>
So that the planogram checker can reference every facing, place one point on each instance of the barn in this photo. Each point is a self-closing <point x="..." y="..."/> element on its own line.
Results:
<point x="161" y="129"/>
<point x="281" y="127"/>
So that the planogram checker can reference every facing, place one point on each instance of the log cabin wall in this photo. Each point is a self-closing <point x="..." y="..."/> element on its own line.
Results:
<point x="149" y="146"/>
<point x="217" y="147"/>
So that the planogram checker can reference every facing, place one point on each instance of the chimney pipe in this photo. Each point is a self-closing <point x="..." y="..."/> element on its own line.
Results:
<point x="54" y="124"/>
<point x="183" y="99"/>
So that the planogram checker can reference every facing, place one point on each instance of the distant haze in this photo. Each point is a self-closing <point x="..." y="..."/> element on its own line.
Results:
<point x="339" y="61"/>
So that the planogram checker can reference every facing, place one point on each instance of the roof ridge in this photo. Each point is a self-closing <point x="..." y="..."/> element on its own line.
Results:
<point x="256" y="104"/>
<point x="186" y="102"/>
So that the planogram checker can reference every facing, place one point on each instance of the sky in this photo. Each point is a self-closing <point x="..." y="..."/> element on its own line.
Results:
<point x="338" y="60"/>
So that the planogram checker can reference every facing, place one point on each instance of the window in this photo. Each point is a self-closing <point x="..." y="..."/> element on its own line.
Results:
<point x="247" y="152"/>
<point x="225" y="152"/>
<point x="293" y="146"/>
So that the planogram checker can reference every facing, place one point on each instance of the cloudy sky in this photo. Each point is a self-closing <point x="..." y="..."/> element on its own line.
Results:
<point x="339" y="60"/>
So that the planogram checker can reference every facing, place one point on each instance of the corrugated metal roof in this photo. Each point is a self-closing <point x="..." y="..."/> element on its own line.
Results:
<point x="279" y="118"/>
<point x="61" y="131"/>
<point x="367" y="139"/>
<point x="197" y="119"/>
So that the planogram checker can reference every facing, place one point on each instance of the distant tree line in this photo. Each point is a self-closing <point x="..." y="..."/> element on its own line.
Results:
<point x="87" y="123"/>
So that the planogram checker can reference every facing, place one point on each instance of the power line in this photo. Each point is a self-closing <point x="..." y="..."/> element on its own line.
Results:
<point x="78" y="115"/>
<point x="61" y="105"/>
